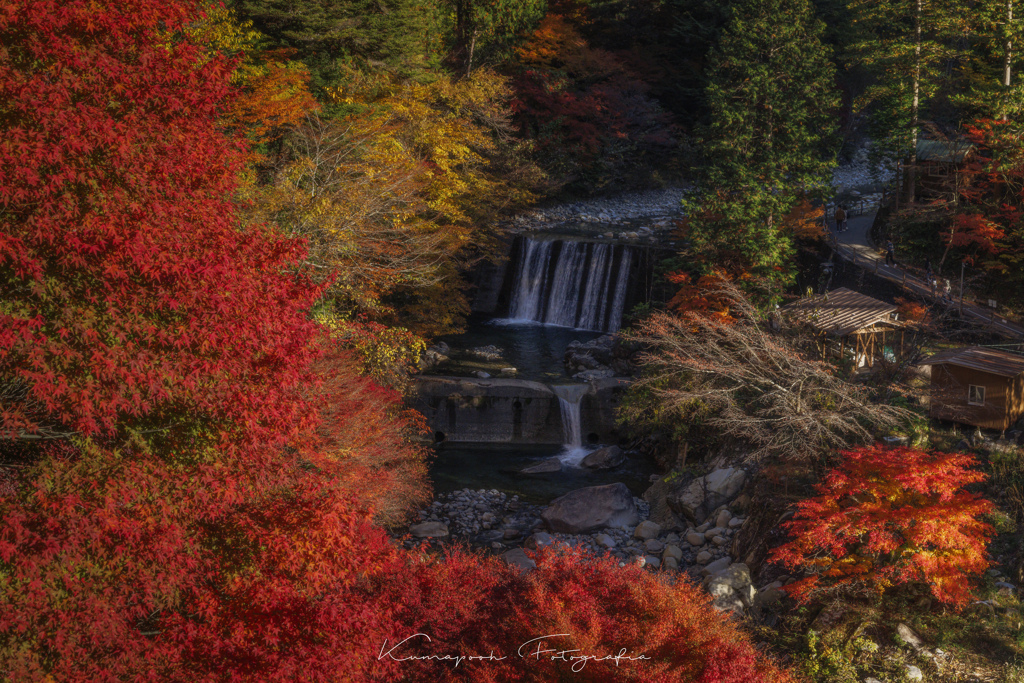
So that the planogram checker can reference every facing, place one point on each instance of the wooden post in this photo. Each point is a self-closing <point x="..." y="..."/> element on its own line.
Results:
<point x="962" y="264"/>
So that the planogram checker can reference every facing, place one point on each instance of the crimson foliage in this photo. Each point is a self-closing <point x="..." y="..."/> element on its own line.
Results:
<point x="180" y="500"/>
<point x="131" y="297"/>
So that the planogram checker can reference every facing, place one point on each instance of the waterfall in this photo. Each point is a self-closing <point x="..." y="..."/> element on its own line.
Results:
<point x="569" y="398"/>
<point x="571" y="283"/>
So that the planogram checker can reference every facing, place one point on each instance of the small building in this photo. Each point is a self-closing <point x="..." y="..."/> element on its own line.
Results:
<point x="939" y="163"/>
<point x="848" y="322"/>
<point x="977" y="386"/>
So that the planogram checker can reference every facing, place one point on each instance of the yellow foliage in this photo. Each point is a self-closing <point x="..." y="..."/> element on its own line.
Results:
<point x="219" y="30"/>
<point x="393" y="192"/>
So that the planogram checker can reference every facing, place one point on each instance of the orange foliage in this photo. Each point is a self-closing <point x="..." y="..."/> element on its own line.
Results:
<point x="363" y="433"/>
<point x="911" y="311"/>
<point x="891" y="516"/>
<point x="703" y="297"/>
<point x="805" y="221"/>
<point x="274" y="99"/>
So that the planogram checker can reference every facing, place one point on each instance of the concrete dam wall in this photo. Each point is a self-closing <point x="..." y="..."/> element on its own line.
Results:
<point x="463" y="410"/>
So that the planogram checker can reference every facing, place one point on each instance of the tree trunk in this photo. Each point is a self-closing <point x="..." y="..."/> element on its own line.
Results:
<point x="1008" y="53"/>
<point x="912" y="165"/>
<point x="472" y="49"/>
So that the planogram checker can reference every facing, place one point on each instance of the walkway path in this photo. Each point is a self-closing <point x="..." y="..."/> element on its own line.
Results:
<point x="855" y="245"/>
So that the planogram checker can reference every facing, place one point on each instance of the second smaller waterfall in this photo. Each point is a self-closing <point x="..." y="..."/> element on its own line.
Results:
<point x="569" y="398"/>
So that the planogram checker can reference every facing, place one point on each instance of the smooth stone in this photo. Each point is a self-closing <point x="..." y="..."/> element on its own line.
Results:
<point x="673" y="551"/>
<point x="653" y="545"/>
<point x="544" y="467"/>
<point x="722" y="520"/>
<point x="695" y="539"/>
<point x="647" y="529"/>
<point x="651" y="561"/>
<point x="736" y="523"/>
<point x="718" y="565"/>
<point x="711" y="533"/>
<point x="914" y="673"/>
<point x="518" y="558"/>
<point x="703" y="557"/>
<point x="538" y="540"/>
<point x="604" y="540"/>
<point x="670" y="563"/>
<point x="719" y="540"/>
<point x="592" y="508"/>
<point x="429" y="530"/>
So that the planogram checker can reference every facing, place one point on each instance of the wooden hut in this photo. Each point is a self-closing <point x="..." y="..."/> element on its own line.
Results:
<point x="939" y="163"/>
<point x="977" y="386"/>
<point x="846" y="321"/>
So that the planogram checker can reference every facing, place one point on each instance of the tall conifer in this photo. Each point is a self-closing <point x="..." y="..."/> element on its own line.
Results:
<point x="773" y="104"/>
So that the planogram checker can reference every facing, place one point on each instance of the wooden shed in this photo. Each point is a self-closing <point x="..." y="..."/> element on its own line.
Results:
<point x="846" y="321"/>
<point x="939" y="165"/>
<point x="977" y="386"/>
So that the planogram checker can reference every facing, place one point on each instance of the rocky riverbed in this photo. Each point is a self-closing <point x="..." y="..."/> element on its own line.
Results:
<point x="657" y="207"/>
<point x="604" y="520"/>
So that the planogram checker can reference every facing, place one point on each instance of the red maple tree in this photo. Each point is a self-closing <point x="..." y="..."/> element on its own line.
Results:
<point x="183" y="498"/>
<point x="888" y="517"/>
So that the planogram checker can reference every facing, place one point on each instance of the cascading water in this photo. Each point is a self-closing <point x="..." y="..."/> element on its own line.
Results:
<point x="569" y="398"/>
<point x="572" y="283"/>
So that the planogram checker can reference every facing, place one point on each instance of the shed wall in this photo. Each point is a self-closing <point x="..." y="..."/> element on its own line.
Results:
<point x="949" y="400"/>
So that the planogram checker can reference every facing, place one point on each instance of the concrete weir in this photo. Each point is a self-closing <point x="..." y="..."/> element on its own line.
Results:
<point x="513" y="411"/>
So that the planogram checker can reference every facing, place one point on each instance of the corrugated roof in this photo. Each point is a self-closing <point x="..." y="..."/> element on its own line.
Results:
<point x="841" y="311"/>
<point x="950" y="152"/>
<point x="992" y="361"/>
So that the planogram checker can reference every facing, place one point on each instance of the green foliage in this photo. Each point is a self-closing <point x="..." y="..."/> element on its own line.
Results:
<point x="769" y="143"/>
<point x="905" y="63"/>
<point x="482" y="30"/>
<point x="401" y="36"/>
<point x="827" y="658"/>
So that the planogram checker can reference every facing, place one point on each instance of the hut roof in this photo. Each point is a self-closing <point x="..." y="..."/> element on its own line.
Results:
<point x="947" y="152"/>
<point x="991" y="361"/>
<point x="841" y="311"/>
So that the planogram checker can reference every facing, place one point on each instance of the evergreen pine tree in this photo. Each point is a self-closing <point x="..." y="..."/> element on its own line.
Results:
<point x="773" y="103"/>
<point x="401" y="36"/>
<point x="910" y="47"/>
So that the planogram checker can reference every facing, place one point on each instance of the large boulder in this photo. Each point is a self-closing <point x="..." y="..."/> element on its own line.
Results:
<point x="604" y="458"/>
<point x="726" y="482"/>
<point x="731" y="589"/>
<point x="592" y="508"/>
<point x="661" y="513"/>
<point x="702" y="496"/>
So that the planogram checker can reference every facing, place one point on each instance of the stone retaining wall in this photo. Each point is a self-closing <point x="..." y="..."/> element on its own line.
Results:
<point x="465" y="410"/>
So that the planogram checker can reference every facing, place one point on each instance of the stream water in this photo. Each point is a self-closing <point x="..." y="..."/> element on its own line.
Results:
<point x="534" y="349"/>
<point x="459" y="466"/>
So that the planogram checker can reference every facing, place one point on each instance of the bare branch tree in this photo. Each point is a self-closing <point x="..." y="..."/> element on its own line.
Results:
<point x="754" y="385"/>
